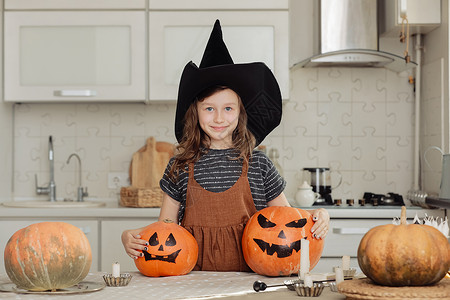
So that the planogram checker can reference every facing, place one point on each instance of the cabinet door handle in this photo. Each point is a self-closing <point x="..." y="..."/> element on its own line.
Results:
<point x="74" y="93"/>
<point x="350" y="230"/>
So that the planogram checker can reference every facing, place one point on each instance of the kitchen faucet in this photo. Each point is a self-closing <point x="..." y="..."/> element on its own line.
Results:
<point x="51" y="188"/>
<point x="80" y="192"/>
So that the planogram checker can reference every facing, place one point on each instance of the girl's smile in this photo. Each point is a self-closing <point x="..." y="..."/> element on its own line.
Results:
<point x="218" y="116"/>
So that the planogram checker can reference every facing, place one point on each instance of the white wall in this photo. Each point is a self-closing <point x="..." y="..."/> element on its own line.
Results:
<point x="6" y="140"/>
<point x="435" y="103"/>
<point x="356" y="121"/>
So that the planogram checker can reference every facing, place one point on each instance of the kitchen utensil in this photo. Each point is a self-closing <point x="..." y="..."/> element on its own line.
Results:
<point x="122" y="280"/>
<point x="261" y="286"/>
<point x="305" y="196"/>
<point x="82" y="287"/>
<point x="149" y="162"/>
<point x="445" y="177"/>
<point x="306" y="291"/>
<point x="320" y="179"/>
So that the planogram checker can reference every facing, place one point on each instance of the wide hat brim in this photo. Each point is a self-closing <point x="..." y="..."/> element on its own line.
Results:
<point x="253" y="82"/>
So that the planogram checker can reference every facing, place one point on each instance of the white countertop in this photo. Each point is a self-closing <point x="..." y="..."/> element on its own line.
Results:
<point x="195" y="285"/>
<point x="114" y="210"/>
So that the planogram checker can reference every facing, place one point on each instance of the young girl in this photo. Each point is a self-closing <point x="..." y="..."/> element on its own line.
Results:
<point x="217" y="181"/>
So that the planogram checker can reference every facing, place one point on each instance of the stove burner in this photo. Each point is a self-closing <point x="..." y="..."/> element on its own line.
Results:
<point x="379" y="199"/>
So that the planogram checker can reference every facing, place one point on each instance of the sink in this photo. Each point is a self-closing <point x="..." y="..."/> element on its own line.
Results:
<point x="56" y="204"/>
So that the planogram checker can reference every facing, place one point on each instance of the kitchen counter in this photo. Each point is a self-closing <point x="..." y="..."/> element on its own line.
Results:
<point x="195" y="285"/>
<point x="114" y="210"/>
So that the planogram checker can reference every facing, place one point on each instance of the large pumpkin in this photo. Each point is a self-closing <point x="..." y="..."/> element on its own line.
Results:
<point x="272" y="237"/>
<point x="47" y="256"/>
<point x="404" y="255"/>
<point x="172" y="250"/>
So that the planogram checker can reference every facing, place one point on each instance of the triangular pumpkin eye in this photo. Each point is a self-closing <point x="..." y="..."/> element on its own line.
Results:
<point x="171" y="240"/>
<point x="153" y="241"/>
<point x="297" y="223"/>
<point x="264" y="222"/>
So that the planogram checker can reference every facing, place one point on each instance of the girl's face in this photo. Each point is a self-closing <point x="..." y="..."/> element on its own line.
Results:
<point x="218" y="116"/>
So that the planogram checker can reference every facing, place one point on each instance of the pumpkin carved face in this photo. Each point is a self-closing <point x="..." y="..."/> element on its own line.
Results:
<point x="271" y="241"/>
<point x="171" y="250"/>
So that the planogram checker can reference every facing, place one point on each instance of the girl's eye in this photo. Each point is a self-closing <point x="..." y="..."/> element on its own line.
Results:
<point x="228" y="108"/>
<point x="209" y="109"/>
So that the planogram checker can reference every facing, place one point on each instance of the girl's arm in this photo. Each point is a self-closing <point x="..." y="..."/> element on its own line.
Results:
<point x="321" y="217"/>
<point x="169" y="209"/>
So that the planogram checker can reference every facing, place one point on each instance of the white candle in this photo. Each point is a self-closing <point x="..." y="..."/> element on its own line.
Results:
<point x="304" y="258"/>
<point x="345" y="262"/>
<point x="308" y="282"/>
<point x="339" y="275"/>
<point x="116" y="269"/>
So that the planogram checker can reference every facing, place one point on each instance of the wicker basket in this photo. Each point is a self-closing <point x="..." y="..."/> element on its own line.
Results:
<point x="141" y="197"/>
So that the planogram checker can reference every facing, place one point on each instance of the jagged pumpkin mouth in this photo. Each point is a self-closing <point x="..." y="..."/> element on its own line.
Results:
<point x="280" y="250"/>
<point x="166" y="258"/>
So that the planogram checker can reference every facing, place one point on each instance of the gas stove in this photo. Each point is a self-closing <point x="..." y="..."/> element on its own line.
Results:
<point x="370" y="200"/>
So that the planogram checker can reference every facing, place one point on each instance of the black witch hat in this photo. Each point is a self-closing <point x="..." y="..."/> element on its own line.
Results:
<point x="253" y="82"/>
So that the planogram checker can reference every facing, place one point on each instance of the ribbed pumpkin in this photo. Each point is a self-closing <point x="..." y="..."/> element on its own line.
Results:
<point x="172" y="250"/>
<point x="405" y="254"/>
<point x="272" y="238"/>
<point x="47" y="256"/>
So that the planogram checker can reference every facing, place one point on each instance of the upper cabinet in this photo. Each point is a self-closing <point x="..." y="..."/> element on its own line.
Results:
<point x="421" y="16"/>
<point x="130" y="50"/>
<point x="74" y="4"/>
<point x="177" y="37"/>
<point x="60" y="56"/>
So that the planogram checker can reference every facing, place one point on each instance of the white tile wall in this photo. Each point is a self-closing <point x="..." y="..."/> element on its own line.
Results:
<point x="358" y="122"/>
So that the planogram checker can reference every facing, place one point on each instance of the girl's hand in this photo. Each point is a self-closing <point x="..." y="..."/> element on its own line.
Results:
<point x="133" y="243"/>
<point x="322" y="222"/>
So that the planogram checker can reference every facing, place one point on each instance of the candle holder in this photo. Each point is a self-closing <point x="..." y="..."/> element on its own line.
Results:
<point x="333" y="286"/>
<point x="123" y="280"/>
<point x="347" y="273"/>
<point x="305" y="291"/>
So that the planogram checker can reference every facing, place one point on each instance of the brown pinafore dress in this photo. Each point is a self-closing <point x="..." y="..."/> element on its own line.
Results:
<point x="217" y="221"/>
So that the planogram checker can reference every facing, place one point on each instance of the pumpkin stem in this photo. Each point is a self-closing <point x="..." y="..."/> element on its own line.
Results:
<point x="403" y="216"/>
<point x="167" y="220"/>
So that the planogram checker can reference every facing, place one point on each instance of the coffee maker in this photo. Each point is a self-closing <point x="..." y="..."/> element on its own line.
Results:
<point x="320" y="180"/>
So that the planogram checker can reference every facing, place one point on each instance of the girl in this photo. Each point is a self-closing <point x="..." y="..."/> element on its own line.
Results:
<point x="217" y="181"/>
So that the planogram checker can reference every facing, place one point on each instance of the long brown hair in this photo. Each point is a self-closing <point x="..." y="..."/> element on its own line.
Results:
<point x="195" y="141"/>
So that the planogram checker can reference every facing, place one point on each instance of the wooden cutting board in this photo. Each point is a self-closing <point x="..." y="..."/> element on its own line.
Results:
<point x="149" y="162"/>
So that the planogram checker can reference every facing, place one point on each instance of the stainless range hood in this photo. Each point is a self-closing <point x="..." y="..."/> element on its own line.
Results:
<point x="345" y="34"/>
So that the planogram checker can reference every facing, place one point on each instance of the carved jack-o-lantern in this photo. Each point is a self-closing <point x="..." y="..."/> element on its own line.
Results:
<point x="272" y="238"/>
<point x="172" y="250"/>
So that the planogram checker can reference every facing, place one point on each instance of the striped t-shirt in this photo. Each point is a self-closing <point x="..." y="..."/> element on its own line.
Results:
<point x="216" y="172"/>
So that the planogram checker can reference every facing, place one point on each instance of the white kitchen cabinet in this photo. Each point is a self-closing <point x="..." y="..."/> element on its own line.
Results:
<point x="74" y="56"/>
<point x="74" y="4"/>
<point x="89" y="227"/>
<point x="177" y="37"/>
<point x="111" y="243"/>
<point x="423" y="16"/>
<point x="217" y="4"/>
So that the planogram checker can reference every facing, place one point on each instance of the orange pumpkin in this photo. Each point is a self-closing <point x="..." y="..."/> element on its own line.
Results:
<point x="172" y="250"/>
<point x="404" y="255"/>
<point x="272" y="237"/>
<point x="47" y="256"/>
